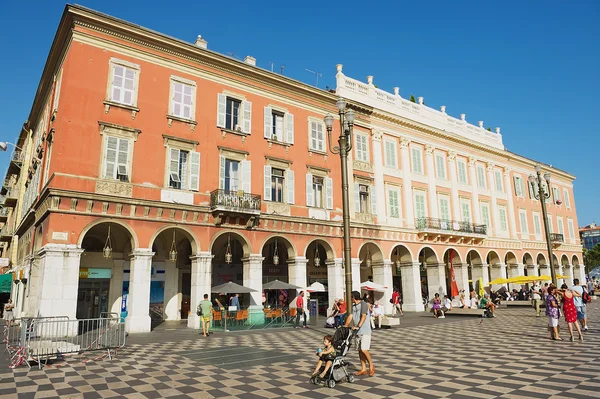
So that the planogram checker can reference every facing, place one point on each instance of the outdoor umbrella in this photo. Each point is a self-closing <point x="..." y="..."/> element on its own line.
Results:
<point x="371" y="286"/>
<point x="500" y="280"/>
<point x="231" y="288"/>
<point x="280" y="285"/>
<point x="316" y="287"/>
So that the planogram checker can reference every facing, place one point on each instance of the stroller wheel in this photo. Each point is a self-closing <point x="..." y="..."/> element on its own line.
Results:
<point x="313" y="380"/>
<point x="331" y="383"/>
<point x="350" y="378"/>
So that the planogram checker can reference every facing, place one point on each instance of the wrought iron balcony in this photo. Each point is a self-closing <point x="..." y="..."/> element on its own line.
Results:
<point x="224" y="202"/>
<point x="450" y="226"/>
<point x="16" y="162"/>
<point x="3" y="215"/>
<point x="6" y="233"/>
<point x="11" y="196"/>
<point x="557" y="238"/>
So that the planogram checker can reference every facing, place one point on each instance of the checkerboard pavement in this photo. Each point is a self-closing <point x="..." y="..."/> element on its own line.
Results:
<point x="458" y="357"/>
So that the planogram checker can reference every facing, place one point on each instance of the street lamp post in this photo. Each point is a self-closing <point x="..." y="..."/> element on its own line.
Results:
<point x="541" y="191"/>
<point x="343" y="148"/>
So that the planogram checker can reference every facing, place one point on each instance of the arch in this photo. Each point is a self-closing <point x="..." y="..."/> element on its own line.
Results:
<point x="402" y="252"/>
<point x="187" y="232"/>
<point x="329" y="251"/>
<point x="376" y="256"/>
<point x="134" y="240"/>
<point x="541" y="259"/>
<point x="428" y="255"/>
<point x="246" y="247"/>
<point x="474" y="257"/>
<point x="527" y="259"/>
<point x="492" y="258"/>
<point x="455" y="256"/>
<point x="575" y="260"/>
<point x="289" y="246"/>
<point x="564" y="260"/>
<point x="555" y="260"/>
<point x="424" y="247"/>
<point x="510" y="258"/>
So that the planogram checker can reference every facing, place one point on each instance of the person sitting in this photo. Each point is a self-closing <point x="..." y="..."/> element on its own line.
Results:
<point x="437" y="307"/>
<point x="446" y="304"/>
<point x="326" y="356"/>
<point x="473" y="301"/>
<point x="377" y="314"/>
<point x="485" y="303"/>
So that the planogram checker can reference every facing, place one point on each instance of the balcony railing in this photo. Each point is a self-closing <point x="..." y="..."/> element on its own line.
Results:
<point x="557" y="238"/>
<point x="17" y="156"/>
<point x="235" y="202"/>
<point x="453" y="226"/>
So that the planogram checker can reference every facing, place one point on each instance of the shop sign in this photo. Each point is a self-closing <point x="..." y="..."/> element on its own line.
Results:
<point x="316" y="274"/>
<point x="5" y="282"/>
<point x="94" y="273"/>
<point x="4" y="262"/>
<point x="272" y="271"/>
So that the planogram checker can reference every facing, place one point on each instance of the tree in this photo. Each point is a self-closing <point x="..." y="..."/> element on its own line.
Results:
<point x="591" y="257"/>
<point x="489" y="129"/>
<point x="412" y="99"/>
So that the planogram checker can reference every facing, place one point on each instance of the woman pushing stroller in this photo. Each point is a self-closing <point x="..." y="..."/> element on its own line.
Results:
<point x="326" y="356"/>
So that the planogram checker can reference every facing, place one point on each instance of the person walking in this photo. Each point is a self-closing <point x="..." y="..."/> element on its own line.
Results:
<point x="8" y="313"/>
<point x="552" y="311"/>
<point x="580" y="305"/>
<point x="396" y="303"/>
<point x="570" y="311"/>
<point x="300" y="309"/>
<point x="537" y="300"/>
<point x="204" y="310"/>
<point x="359" y="319"/>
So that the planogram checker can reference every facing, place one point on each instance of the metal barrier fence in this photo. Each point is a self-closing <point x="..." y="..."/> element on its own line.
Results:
<point x="43" y="339"/>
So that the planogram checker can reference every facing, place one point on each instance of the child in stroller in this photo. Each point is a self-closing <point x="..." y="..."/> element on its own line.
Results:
<point x="332" y="366"/>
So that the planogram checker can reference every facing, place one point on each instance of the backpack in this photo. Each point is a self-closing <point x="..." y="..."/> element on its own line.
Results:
<point x="586" y="297"/>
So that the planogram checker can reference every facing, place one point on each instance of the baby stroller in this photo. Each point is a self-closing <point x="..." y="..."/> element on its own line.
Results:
<point x="487" y="312"/>
<point x="339" y="366"/>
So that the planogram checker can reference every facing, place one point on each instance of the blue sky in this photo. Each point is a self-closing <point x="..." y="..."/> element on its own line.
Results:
<point x="530" y="67"/>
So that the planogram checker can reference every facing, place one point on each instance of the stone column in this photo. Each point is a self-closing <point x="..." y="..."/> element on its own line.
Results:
<point x="297" y="276"/>
<point x="58" y="280"/>
<point x="172" y="302"/>
<point x="411" y="287"/>
<point x="335" y="280"/>
<point x="568" y="271"/>
<point x="456" y="213"/>
<point x="356" y="274"/>
<point x="200" y="284"/>
<point x="558" y="269"/>
<point x="544" y="270"/>
<point x="407" y="184"/>
<point x="515" y="271"/>
<point x="475" y="187"/>
<point x="253" y="279"/>
<point x="138" y="317"/>
<point x="498" y="271"/>
<point x="431" y="187"/>
<point x="494" y="201"/>
<point x="477" y="272"/>
<point x="382" y="274"/>
<point x="461" y="272"/>
<point x="115" y="293"/>
<point x="436" y="279"/>
<point x="580" y="273"/>
<point x="378" y="172"/>
<point x="511" y="205"/>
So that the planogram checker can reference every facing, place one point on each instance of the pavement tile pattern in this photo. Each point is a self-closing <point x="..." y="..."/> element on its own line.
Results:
<point x="458" y="357"/>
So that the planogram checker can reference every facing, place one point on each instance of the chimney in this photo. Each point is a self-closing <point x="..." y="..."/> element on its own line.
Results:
<point x="480" y="124"/>
<point x="200" y="42"/>
<point x="250" y="60"/>
<point x="443" y="109"/>
<point x="463" y="117"/>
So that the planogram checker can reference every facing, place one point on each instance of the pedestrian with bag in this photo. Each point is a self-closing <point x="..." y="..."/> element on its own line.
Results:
<point x="359" y="317"/>
<point x="396" y="303"/>
<point x="300" y="310"/>
<point x="581" y="302"/>
<point x="203" y="310"/>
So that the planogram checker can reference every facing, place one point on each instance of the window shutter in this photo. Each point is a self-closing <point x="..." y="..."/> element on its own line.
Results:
<point x="289" y="184"/>
<point x="310" y="195"/>
<point x="246" y="176"/>
<point x="328" y="193"/>
<point x="517" y="186"/>
<point x="289" y="131"/>
<point x="222" y="173"/>
<point x="268" y="123"/>
<point x="221" y="109"/>
<point x="110" y="163"/>
<point x="356" y="197"/>
<point x="116" y="83"/>
<point x="57" y="91"/>
<point x="194" y="170"/>
<point x="267" y="188"/>
<point x="531" y="191"/>
<point x="123" y="155"/>
<point x="247" y="125"/>
<point x="373" y="197"/>
<point x="174" y="161"/>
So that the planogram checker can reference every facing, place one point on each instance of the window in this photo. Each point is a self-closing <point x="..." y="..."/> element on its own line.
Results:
<point x="393" y="202"/>
<point x="519" y="186"/>
<point x="480" y="176"/>
<point x="485" y="215"/>
<point x="556" y="195"/>
<point x="420" y="205"/>
<point x="317" y="136"/>
<point x="444" y="203"/>
<point x="365" y="198"/>
<point x="550" y="227"/>
<point x="462" y="171"/>
<point x="417" y="160"/>
<point x="319" y="191"/>
<point x="116" y="158"/>
<point x="123" y="82"/>
<point x="182" y="98"/>
<point x="503" y="220"/>
<point x="234" y="113"/>
<point x="47" y="163"/>
<point x="362" y="148"/>
<point x="523" y="220"/>
<point x="232" y="175"/>
<point x="498" y="176"/>
<point x="561" y="227"/>
<point x="465" y="206"/>
<point x="537" y="226"/>
<point x="567" y="198"/>
<point x="184" y="169"/>
<point x="279" y="184"/>
<point x="391" y="159"/>
<point x="440" y="166"/>
<point x="279" y="125"/>
<point x="57" y="91"/>
<point x="571" y="228"/>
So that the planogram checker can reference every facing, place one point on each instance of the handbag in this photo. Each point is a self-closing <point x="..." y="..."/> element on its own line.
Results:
<point x="199" y="311"/>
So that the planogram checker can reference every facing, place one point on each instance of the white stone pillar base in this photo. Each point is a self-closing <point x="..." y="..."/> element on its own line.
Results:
<point x="200" y="284"/>
<point x="253" y="279"/>
<point x="461" y="273"/>
<point x="298" y="276"/>
<point x="356" y="274"/>
<point x="382" y="274"/>
<point x="138" y="317"/>
<point x="335" y="280"/>
<point x="498" y="270"/>
<point x="411" y="287"/>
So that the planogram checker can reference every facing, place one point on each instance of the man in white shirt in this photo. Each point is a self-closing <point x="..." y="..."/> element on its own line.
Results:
<point x="377" y="314"/>
<point x="446" y="304"/>
<point x="579" y="304"/>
